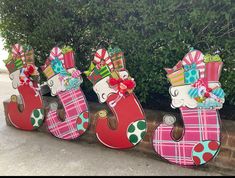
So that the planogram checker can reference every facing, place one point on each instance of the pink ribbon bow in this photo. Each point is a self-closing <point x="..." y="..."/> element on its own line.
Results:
<point x="175" y="68"/>
<point x="76" y="74"/>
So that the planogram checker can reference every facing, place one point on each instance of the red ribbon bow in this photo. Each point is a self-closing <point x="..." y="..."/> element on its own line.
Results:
<point x="202" y="82"/>
<point x="175" y="68"/>
<point x="122" y="85"/>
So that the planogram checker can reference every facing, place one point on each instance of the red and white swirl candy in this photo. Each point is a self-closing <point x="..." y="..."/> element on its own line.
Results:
<point x="101" y="58"/>
<point x="196" y="57"/>
<point x="56" y="52"/>
<point x="18" y="52"/>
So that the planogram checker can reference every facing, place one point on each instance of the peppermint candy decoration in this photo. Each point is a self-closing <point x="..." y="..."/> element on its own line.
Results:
<point x="101" y="58"/>
<point x="18" y="52"/>
<point x="196" y="57"/>
<point x="56" y="53"/>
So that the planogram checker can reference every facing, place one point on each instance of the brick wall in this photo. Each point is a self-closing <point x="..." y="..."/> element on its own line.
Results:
<point x="224" y="160"/>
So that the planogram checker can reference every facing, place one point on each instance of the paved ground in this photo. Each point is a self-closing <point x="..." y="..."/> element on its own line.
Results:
<point x="35" y="153"/>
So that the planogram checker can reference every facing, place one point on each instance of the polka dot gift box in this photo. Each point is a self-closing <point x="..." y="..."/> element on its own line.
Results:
<point x="191" y="73"/>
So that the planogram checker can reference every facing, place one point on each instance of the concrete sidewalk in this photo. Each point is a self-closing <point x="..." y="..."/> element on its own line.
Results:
<point x="36" y="153"/>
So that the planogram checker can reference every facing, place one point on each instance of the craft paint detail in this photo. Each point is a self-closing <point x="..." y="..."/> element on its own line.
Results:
<point x="24" y="76"/>
<point x="64" y="81"/>
<point x="115" y="87"/>
<point x="198" y="99"/>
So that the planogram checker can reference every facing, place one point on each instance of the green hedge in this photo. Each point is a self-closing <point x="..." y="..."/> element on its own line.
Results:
<point x="153" y="34"/>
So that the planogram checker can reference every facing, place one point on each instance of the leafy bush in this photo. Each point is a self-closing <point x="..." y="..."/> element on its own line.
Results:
<point x="153" y="34"/>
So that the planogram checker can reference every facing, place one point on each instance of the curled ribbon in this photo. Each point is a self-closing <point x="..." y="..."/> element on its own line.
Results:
<point x="210" y="58"/>
<point x="123" y="85"/>
<point x="90" y="69"/>
<point x="66" y="49"/>
<point x="175" y="68"/>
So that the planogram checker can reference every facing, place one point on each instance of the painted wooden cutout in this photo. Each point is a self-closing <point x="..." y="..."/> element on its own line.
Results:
<point x="24" y="77"/>
<point x="64" y="81"/>
<point x="198" y="98"/>
<point x="113" y="85"/>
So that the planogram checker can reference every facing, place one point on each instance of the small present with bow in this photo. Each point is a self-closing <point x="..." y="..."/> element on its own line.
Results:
<point x="214" y="66"/>
<point x="117" y="57"/>
<point x="10" y="64"/>
<point x="176" y="74"/>
<point x="95" y="74"/>
<point x="69" y="60"/>
<point x="191" y="73"/>
<point x="29" y="54"/>
<point x="47" y="69"/>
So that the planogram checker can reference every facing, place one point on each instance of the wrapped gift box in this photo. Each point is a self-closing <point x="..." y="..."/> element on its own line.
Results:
<point x="177" y="78"/>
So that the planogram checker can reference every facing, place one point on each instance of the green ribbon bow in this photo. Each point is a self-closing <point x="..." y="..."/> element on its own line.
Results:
<point x="210" y="58"/>
<point x="66" y="49"/>
<point x="90" y="69"/>
<point x="27" y="47"/>
<point x="114" y="50"/>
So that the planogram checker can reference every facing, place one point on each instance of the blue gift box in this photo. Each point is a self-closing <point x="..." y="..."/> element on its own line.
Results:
<point x="57" y="67"/>
<point x="191" y="74"/>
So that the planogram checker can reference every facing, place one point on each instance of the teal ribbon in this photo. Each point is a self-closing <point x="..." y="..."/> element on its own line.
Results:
<point x="190" y="67"/>
<point x="74" y="83"/>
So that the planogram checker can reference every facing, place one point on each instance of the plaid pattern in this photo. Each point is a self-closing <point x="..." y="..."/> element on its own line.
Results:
<point x="118" y="60"/>
<point x="199" y="125"/>
<point x="29" y="57"/>
<point x="74" y="104"/>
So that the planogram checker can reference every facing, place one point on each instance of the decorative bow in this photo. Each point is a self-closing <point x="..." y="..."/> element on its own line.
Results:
<point x="73" y="83"/>
<point x="190" y="67"/>
<point x="66" y="49"/>
<point x="123" y="86"/>
<point x="175" y="68"/>
<point x="210" y="58"/>
<point x="76" y="74"/>
<point x="27" y="47"/>
<point x="204" y="91"/>
<point x="91" y="67"/>
<point x="26" y="72"/>
<point x="114" y="50"/>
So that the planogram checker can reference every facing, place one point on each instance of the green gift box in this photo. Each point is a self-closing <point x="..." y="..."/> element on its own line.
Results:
<point x="11" y="67"/>
<point x="18" y="63"/>
<point x="98" y="74"/>
<point x="117" y="57"/>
